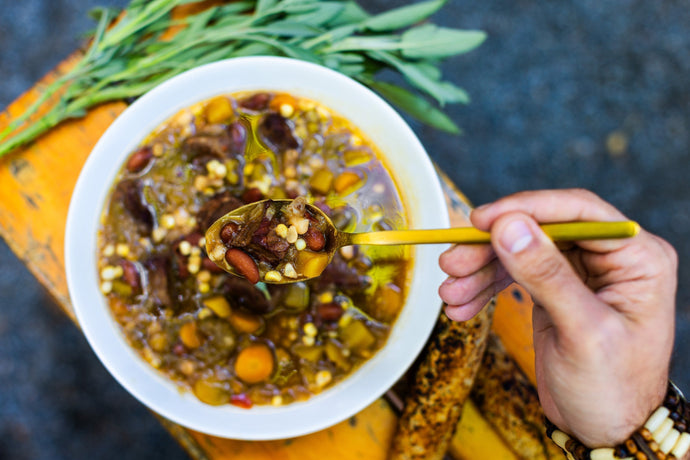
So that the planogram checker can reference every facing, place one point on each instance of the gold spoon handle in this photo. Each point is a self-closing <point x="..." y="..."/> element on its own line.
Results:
<point x="570" y="231"/>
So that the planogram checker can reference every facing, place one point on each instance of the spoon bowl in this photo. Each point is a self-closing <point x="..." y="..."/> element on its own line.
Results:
<point x="250" y="242"/>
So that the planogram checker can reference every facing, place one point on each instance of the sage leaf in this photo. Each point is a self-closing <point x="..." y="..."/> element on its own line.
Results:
<point x="429" y="41"/>
<point x="418" y="108"/>
<point x="403" y="17"/>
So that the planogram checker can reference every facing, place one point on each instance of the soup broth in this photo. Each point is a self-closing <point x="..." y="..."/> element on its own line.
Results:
<point x="228" y="340"/>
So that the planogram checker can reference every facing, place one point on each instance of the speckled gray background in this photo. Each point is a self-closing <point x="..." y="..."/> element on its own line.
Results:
<point x="552" y="83"/>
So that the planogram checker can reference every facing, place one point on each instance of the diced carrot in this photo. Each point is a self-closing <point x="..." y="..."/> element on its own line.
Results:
<point x="245" y="322"/>
<point x="346" y="182"/>
<point x="189" y="336"/>
<point x="255" y="363"/>
<point x="219" y="305"/>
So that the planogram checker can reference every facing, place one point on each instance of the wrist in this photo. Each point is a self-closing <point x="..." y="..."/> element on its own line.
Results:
<point x="664" y="436"/>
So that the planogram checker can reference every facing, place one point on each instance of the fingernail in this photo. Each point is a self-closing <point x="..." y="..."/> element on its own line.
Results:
<point x="482" y="207"/>
<point x="450" y="280"/>
<point x="516" y="236"/>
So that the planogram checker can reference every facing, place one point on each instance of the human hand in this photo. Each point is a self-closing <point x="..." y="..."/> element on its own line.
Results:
<point x="603" y="319"/>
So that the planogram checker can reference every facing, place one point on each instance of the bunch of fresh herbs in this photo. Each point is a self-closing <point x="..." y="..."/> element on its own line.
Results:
<point x="130" y="53"/>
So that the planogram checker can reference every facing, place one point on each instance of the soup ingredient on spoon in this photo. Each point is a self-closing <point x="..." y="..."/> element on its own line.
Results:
<point x="273" y="241"/>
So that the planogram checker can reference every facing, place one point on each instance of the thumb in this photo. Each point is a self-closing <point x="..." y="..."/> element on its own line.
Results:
<point x="534" y="261"/>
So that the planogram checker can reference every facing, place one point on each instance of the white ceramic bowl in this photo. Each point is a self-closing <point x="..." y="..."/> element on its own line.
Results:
<point x="416" y="181"/>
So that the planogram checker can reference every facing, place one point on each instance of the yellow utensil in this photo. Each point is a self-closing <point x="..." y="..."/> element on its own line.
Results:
<point x="570" y="231"/>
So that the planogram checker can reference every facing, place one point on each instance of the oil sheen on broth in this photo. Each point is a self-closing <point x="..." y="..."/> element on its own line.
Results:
<point x="227" y="340"/>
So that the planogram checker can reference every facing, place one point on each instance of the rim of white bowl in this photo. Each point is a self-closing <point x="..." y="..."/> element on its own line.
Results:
<point x="424" y="201"/>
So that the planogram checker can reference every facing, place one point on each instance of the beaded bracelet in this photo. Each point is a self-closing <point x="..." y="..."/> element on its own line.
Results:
<point x="664" y="436"/>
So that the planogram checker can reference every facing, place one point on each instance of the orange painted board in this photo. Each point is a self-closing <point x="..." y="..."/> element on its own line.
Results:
<point x="36" y="184"/>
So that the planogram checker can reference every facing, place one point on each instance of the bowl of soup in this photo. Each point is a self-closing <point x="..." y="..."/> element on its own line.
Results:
<point x="218" y="353"/>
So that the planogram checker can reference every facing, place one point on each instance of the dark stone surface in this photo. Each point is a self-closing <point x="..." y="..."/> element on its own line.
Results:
<point x="550" y="86"/>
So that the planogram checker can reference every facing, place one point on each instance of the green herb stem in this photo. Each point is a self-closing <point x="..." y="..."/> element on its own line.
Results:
<point x="127" y="57"/>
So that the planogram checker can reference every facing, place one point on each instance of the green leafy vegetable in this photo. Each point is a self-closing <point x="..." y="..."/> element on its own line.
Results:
<point x="129" y="54"/>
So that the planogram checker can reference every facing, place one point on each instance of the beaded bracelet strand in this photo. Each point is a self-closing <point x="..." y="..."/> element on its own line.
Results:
<point x="664" y="436"/>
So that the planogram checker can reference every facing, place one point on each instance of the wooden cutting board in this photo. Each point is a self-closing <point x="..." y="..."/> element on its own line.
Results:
<point x="36" y="184"/>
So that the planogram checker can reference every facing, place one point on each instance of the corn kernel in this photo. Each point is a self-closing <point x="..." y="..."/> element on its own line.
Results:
<point x="273" y="275"/>
<point x="277" y="400"/>
<point x="185" y="248"/>
<point x="310" y="329"/>
<point x="202" y="242"/>
<point x="106" y="287"/>
<point x="204" y="288"/>
<point x="204" y="276"/>
<point x="193" y="268"/>
<point x="293" y="322"/>
<point x="195" y="251"/>
<point x="187" y="367"/>
<point x="316" y="162"/>
<point x="290" y="172"/>
<point x="290" y="271"/>
<point x="158" y="234"/>
<point x="181" y="217"/>
<point x="200" y="183"/>
<point x="308" y="340"/>
<point x="291" y="236"/>
<point x="168" y="221"/>
<point x="158" y="150"/>
<point x="300" y="244"/>
<point x="281" y="230"/>
<point x="109" y="273"/>
<point x="323" y="378"/>
<point x="302" y="225"/>
<point x="286" y="110"/>
<point x="220" y="171"/>
<point x="348" y="252"/>
<point x="122" y="250"/>
<point x="292" y="336"/>
<point x="109" y="250"/>
<point x="326" y="297"/>
<point x="344" y="320"/>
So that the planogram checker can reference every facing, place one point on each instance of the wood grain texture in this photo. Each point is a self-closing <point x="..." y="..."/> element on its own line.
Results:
<point x="36" y="183"/>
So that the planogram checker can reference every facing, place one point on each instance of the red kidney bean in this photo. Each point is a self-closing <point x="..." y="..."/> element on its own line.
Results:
<point x="251" y="195"/>
<point x="130" y="274"/>
<point x="243" y="264"/>
<point x="329" y="311"/>
<point x="139" y="159"/>
<point x="315" y="239"/>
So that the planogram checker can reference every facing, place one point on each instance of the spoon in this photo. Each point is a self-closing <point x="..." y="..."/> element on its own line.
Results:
<point x="308" y="262"/>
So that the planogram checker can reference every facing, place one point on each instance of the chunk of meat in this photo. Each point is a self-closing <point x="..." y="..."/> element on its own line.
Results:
<point x="278" y="130"/>
<point x="258" y="101"/>
<point x="215" y="208"/>
<point x="242" y="293"/>
<point x="157" y="268"/>
<point x="130" y="193"/>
